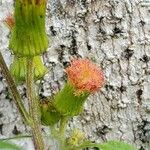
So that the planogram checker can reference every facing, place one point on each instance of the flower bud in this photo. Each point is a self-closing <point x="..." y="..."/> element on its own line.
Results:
<point x="28" y="37"/>
<point x="84" y="78"/>
<point x="18" y="68"/>
<point x="76" y="138"/>
<point x="49" y="115"/>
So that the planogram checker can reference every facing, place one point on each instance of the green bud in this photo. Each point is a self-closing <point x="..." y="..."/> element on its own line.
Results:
<point x="18" y="68"/>
<point x="28" y="36"/>
<point x="68" y="103"/>
<point x="76" y="138"/>
<point x="49" y="115"/>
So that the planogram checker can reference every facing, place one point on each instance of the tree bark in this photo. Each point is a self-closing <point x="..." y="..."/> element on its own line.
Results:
<point x="116" y="35"/>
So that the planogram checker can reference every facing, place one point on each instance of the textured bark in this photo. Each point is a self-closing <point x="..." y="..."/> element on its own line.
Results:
<point x="116" y="35"/>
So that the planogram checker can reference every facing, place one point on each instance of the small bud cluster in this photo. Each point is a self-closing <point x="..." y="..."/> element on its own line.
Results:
<point x="76" y="138"/>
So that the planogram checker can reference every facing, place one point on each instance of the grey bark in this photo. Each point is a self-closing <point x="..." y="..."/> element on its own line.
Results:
<point x="116" y="35"/>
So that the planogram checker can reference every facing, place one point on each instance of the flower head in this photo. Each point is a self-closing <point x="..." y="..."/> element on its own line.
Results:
<point x="28" y="35"/>
<point x="85" y="76"/>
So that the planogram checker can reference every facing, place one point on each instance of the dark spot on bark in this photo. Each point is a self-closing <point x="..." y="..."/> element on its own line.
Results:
<point x="41" y="96"/>
<point x="102" y="130"/>
<point x="142" y="22"/>
<point x="1" y="129"/>
<point x="141" y="148"/>
<point x="53" y="32"/>
<point x="60" y="55"/>
<point x="1" y="78"/>
<point x="128" y="53"/>
<point x="83" y="2"/>
<point x="89" y="47"/>
<point x="102" y="31"/>
<point x="66" y="64"/>
<point x="145" y="59"/>
<point x="122" y="89"/>
<point x="109" y="87"/>
<point x="73" y="48"/>
<point x="139" y="94"/>
<point x="1" y="115"/>
<point x="53" y="64"/>
<point x="16" y="131"/>
<point x="42" y="90"/>
<point x="62" y="46"/>
<point x="117" y="30"/>
<point x="143" y="132"/>
<point x="71" y="2"/>
<point x="8" y="95"/>
<point x="6" y="89"/>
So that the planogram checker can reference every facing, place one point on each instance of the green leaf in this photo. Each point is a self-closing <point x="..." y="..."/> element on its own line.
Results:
<point x="111" y="145"/>
<point x="8" y="146"/>
<point x="115" y="145"/>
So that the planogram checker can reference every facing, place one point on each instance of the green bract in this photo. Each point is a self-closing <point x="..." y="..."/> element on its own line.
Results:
<point x="68" y="103"/>
<point x="49" y="115"/>
<point x="28" y="36"/>
<point x="18" y="68"/>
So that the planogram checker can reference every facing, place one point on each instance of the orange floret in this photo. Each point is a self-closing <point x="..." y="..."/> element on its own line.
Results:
<point x="85" y="76"/>
<point x="9" y="20"/>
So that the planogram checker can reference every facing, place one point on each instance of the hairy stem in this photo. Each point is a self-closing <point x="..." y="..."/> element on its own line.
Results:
<point x="63" y="123"/>
<point x="13" y="89"/>
<point x="62" y="128"/>
<point x="34" y="107"/>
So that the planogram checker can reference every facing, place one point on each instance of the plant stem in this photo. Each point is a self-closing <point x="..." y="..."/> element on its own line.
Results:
<point x="34" y="107"/>
<point x="63" y="123"/>
<point x="54" y="132"/>
<point x="13" y="88"/>
<point x="62" y="128"/>
<point x="16" y="137"/>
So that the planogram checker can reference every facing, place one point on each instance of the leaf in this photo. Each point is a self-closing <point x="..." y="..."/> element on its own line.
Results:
<point x="115" y="145"/>
<point x="8" y="146"/>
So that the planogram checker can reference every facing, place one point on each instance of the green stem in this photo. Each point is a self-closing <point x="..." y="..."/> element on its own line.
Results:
<point x="34" y="107"/>
<point x="63" y="123"/>
<point x="16" y="137"/>
<point x="62" y="129"/>
<point x="54" y="132"/>
<point x="13" y="88"/>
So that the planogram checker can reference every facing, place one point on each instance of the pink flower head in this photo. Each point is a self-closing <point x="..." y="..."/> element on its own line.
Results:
<point x="85" y="76"/>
